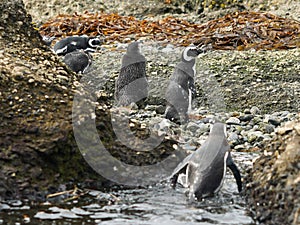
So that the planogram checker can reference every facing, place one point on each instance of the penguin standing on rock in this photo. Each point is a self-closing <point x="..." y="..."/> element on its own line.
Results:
<point x="181" y="87"/>
<point x="205" y="169"/>
<point x="131" y="84"/>
<point x="78" y="61"/>
<point x="73" y="43"/>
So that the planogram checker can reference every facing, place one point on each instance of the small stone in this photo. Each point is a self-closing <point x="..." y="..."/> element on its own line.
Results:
<point x="255" y="136"/>
<point x="234" y="138"/>
<point x="31" y="80"/>
<point x="267" y="128"/>
<point x="274" y="122"/>
<point x="233" y="120"/>
<point x="255" y="110"/>
<point x="239" y="147"/>
<point x="297" y="128"/>
<point x="246" y="118"/>
<point x="287" y="128"/>
<point x="247" y="111"/>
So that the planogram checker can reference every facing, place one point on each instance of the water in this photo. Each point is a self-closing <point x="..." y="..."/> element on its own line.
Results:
<point x="159" y="204"/>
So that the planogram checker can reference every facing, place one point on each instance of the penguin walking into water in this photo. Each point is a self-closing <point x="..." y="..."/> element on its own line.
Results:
<point x="181" y="88"/>
<point x="132" y="85"/>
<point x="205" y="169"/>
<point x="78" y="61"/>
<point x="74" y="43"/>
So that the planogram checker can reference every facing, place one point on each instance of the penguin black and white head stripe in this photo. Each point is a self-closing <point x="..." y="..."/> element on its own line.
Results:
<point x="131" y="84"/>
<point x="181" y="87"/>
<point x="73" y="43"/>
<point x="205" y="169"/>
<point x="78" y="61"/>
<point x="48" y="40"/>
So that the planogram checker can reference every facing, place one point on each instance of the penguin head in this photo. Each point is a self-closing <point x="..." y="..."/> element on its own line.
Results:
<point x="190" y="53"/>
<point x="133" y="47"/>
<point x="66" y="49"/>
<point x="133" y="55"/>
<point x="218" y="129"/>
<point x="48" y="40"/>
<point x="94" y="42"/>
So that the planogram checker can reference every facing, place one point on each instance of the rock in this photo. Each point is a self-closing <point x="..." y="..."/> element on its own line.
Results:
<point x="246" y="117"/>
<point x="233" y="121"/>
<point x="239" y="147"/>
<point x="233" y="138"/>
<point x="255" y="110"/>
<point x="255" y="136"/>
<point x="267" y="128"/>
<point x="38" y="116"/>
<point x="247" y="111"/>
<point x="274" y="122"/>
<point x="273" y="184"/>
<point x="193" y="127"/>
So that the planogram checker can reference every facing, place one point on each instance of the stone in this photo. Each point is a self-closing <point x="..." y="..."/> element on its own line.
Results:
<point x="246" y="117"/>
<point x="274" y="121"/>
<point x="233" y="120"/>
<point x="254" y="110"/>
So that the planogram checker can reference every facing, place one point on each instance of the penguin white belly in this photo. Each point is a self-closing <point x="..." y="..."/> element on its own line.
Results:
<point x="190" y="101"/>
<point x="224" y="173"/>
<point x="194" y="69"/>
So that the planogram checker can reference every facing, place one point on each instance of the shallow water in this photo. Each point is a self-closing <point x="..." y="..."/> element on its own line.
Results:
<point x="153" y="205"/>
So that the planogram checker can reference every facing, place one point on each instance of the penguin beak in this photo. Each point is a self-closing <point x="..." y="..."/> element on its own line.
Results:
<point x="203" y="48"/>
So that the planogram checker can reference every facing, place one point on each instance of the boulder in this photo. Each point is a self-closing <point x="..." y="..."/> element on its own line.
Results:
<point x="273" y="184"/>
<point x="38" y="150"/>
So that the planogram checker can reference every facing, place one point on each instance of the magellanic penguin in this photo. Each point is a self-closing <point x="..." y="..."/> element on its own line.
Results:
<point x="78" y="61"/>
<point x="48" y="40"/>
<point x="205" y="169"/>
<point x="132" y="85"/>
<point x="73" y="43"/>
<point x="181" y="88"/>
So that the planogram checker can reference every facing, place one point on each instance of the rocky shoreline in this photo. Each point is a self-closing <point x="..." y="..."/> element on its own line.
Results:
<point x="256" y="92"/>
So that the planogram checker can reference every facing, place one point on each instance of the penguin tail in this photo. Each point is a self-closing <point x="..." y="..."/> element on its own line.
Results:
<point x="170" y="113"/>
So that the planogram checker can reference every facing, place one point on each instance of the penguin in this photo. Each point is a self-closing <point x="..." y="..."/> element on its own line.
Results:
<point x="205" y="169"/>
<point x="73" y="43"/>
<point x="132" y="85"/>
<point x="48" y="40"/>
<point x="181" y="87"/>
<point x="78" y="61"/>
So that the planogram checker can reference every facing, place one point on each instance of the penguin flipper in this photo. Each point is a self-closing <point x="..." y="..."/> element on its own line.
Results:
<point x="235" y="171"/>
<point x="181" y="168"/>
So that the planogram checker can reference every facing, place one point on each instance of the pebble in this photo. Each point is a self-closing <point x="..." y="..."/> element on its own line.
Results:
<point x="268" y="128"/>
<point x="255" y="110"/>
<point x="246" y="118"/>
<point x="274" y="122"/>
<point x="31" y="80"/>
<point x="233" y="120"/>
<point x="245" y="130"/>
